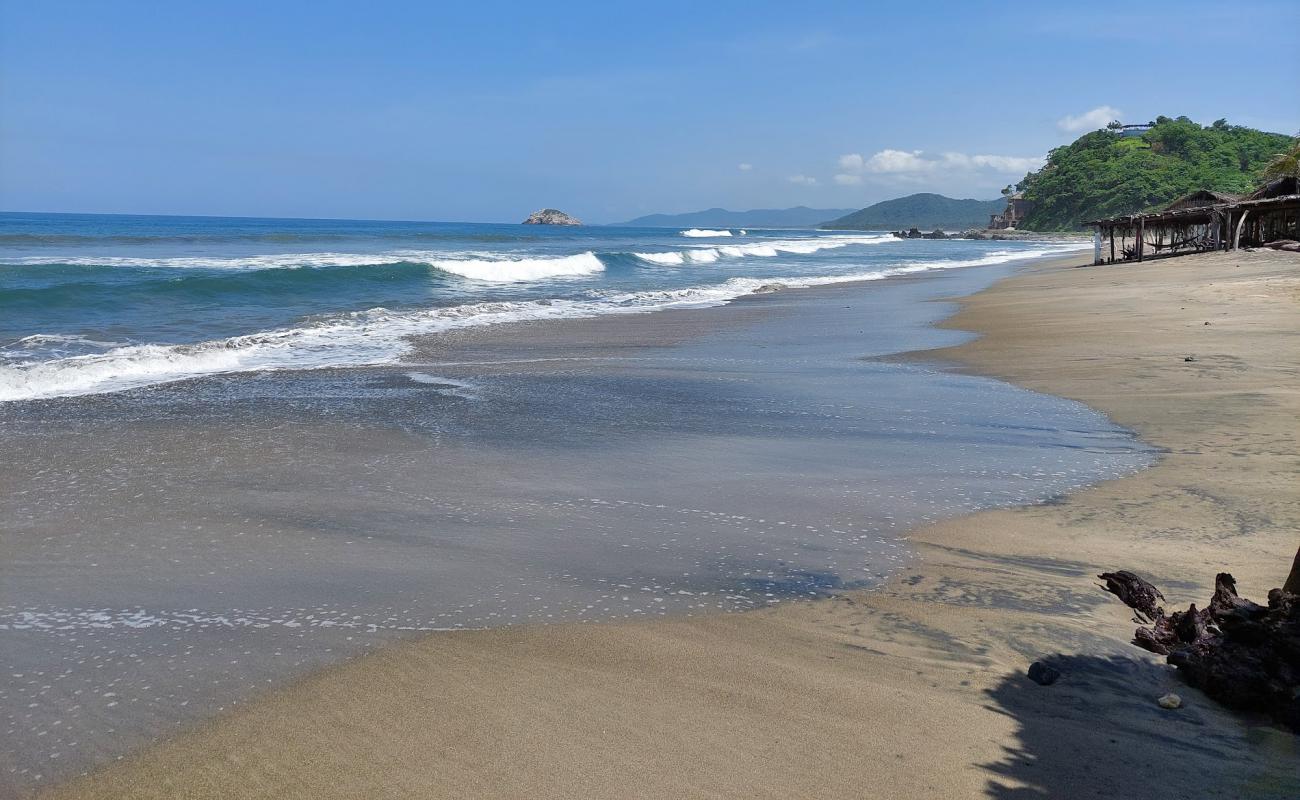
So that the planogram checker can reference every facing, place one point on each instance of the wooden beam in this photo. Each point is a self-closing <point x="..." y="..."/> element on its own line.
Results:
<point x="1236" y="239"/>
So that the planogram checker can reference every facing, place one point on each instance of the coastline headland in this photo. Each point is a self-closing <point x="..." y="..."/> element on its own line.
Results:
<point x="915" y="688"/>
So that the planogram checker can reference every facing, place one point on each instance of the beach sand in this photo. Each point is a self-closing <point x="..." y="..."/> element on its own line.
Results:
<point x="916" y="689"/>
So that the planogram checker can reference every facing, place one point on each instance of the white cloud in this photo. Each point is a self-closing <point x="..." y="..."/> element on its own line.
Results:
<point x="888" y="161"/>
<point x="744" y="167"/>
<point x="992" y="163"/>
<point x="803" y="180"/>
<point x="912" y="163"/>
<point x="1089" y="120"/>
<point x="851" y="162"/>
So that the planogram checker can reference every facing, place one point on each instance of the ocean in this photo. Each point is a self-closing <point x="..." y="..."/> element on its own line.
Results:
<point x="92" y="303"/>
<point x="240" y="450"/>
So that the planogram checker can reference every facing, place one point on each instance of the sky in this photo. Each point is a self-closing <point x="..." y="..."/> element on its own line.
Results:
<point x="487" y="111"/>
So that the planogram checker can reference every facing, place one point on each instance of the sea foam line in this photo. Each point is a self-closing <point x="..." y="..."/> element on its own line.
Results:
<point x="381" y="336"/>
<point x="760" y="249"/>
<point x="105" y="619"/>
<point x="476" y="266"/>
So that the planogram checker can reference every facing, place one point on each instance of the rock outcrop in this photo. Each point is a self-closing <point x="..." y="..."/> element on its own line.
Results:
<point x="915" y="233"/>
<point x="550" y="216"/>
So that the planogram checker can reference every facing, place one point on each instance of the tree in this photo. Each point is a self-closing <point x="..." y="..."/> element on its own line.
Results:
<point x="1285" y="164"/>
<point x="1103" y="174"/>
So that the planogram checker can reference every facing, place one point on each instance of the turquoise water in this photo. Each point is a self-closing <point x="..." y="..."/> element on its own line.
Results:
<point x="92" y="304"/>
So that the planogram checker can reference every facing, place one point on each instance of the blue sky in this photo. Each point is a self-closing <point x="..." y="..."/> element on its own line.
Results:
<point x="486" y="111"/>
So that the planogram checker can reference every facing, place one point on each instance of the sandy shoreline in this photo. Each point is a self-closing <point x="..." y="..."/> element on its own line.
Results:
<point x="911" y="690"/>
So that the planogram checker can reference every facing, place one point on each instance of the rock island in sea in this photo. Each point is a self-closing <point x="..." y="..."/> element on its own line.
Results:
<point x="550" y="216"/>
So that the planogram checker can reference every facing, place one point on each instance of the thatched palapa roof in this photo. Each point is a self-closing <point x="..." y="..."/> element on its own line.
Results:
<point x="1278" y="187"/>
<point x="1201" y="199"/>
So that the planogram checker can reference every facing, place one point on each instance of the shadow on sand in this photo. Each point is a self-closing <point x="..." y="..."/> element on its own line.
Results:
<point x="1098" y="732"/>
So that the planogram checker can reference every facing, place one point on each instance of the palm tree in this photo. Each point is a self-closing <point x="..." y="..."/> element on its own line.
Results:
<point x="1286" y="164"/>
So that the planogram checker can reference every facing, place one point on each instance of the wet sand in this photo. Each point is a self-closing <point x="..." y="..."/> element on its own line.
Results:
<point x="912" y="689"/>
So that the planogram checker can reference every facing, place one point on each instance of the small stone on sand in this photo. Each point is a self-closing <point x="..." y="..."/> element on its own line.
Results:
<point x="1043" y="674"/>
<point x="1170" y="701"/>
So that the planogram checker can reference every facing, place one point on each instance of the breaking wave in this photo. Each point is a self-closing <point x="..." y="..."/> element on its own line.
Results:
<point x="381" y="336"/>
<point x="697" y="233"/>
<point x="521" y="269"/>
<point x="476" y="266"/>
<point x="763" y="249"/>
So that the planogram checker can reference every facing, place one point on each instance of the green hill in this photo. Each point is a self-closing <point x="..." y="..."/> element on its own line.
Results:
<point x="1104" y="174"/>
<point x="925" y="211"/>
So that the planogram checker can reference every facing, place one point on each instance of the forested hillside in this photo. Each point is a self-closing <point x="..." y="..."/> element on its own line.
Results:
<point x="1104" y="174"/>
<point x="926" y="211"/>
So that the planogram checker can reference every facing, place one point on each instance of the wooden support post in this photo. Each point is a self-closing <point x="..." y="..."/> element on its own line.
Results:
<point x="1096" y="246"/>
<point x="1112" y="244"/>
<point x="1236" y="239"/>
<point x="1141" y="238"/>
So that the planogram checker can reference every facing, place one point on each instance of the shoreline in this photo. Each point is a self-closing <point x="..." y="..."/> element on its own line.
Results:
<point x="835" y="694"/>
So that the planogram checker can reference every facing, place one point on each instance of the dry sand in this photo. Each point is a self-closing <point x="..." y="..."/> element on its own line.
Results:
<point x="914" y="690"/>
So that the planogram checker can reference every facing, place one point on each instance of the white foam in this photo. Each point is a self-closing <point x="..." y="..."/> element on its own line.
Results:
<point x="697" y="233"/>
<point x="672" y="258"/>
<point x="504" y="270"/>
<point x="252" y="262"/>
<point x="39" y="339"/>
<point x="106" y="619"/>
<point x="449" y="387"/>
<point x="47" y="345"/>
<point x="477" y="266"/>
<point x="761" y="249"/>
<point x="381" y="336"/>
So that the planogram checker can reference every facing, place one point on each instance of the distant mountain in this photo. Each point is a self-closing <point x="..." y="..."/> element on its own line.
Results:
<point x="797" y="217"/>
<point x="926" y="211"/>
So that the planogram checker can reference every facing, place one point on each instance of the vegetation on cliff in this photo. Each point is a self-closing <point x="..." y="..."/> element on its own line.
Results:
<point x="926" y="211"/>
<point x="1104" y="173"/>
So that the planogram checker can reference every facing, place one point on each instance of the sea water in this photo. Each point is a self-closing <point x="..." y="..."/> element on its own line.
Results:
<point x="92" y="304"/>
<point x="238" y="450"/>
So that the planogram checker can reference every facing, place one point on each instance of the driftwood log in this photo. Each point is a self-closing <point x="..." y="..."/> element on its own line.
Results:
<point x="1244" y="655"/>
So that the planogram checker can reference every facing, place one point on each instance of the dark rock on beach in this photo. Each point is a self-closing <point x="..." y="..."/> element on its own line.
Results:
<point x="1043" y="674"/>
